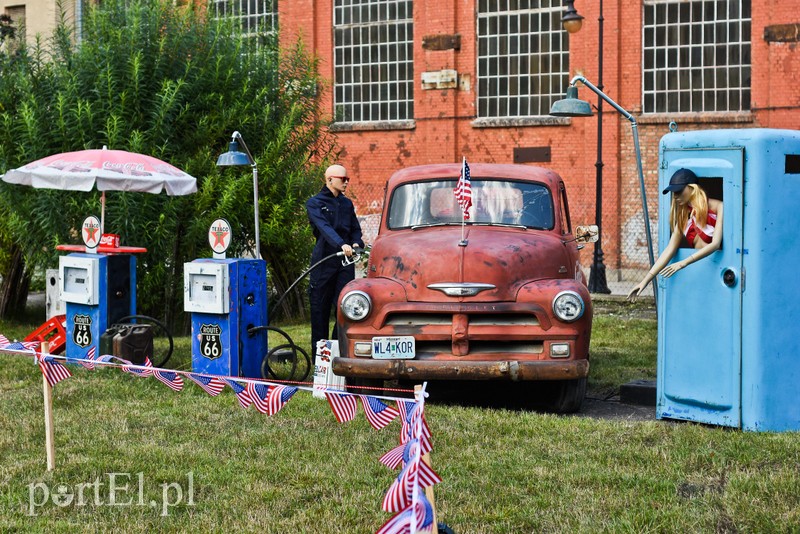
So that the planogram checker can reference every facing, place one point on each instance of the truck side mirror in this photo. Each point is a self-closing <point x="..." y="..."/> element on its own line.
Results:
<point x="587" y="234"/>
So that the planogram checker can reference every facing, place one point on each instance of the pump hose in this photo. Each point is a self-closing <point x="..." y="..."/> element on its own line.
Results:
<point x="266" y="370"/>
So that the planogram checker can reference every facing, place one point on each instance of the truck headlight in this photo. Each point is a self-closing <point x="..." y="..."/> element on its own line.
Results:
<point x="568" y="306"/>
<point x="356" y="305"/>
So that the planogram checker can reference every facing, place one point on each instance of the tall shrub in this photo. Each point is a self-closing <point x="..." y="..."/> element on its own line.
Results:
<point x="162" y="80"/>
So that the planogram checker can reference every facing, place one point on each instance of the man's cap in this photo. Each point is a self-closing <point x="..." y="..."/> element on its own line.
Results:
<point x="679" y="180"/>
<point x="336" y="171"/>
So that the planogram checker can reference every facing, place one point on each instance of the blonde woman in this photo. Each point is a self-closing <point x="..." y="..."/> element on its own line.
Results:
<point x="692" y="214"/>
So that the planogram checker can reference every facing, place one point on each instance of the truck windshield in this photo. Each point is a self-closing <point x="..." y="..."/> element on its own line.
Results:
<point x="503" y="202"/>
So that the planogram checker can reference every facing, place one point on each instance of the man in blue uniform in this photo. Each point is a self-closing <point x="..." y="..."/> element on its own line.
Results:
<point x="333" y="220"/>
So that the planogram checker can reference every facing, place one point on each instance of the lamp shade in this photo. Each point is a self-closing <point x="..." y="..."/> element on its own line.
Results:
<point x="570" y="106"/>
<point x="233" y="157"/>
<point x="571" y="21"/>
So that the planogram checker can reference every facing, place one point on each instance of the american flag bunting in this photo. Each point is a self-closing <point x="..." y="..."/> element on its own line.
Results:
<point x="401" y="523"/>
<point x="90" y="354"/>
<point x="401" y="491"/>
<point x="170" y="378"/>
<point x="210" y="384"/>
<point x="26" y="346"/>
<point x="277" y="398"/>
<point x="378" y="414"/>
<point x="136" y="370"/>
<point x="242" y="395"/>
<point x="408" y="416"/>
<point x="343" y="405"/>
<point x="258" y="394"/>
<point x="394" y="457"/>
<point x="52" y="370"/>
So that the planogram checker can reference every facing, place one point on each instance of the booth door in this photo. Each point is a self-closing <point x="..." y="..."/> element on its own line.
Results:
<point x="700" y="307"/>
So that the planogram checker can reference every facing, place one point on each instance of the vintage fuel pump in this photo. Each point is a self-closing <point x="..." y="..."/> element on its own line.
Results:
<point x="226" y="297"/>
<point x="98" y="287"/>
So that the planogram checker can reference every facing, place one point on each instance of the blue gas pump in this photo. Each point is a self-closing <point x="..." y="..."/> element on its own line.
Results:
<point x="98" y="286"/>
<point x="98" y="289"/>
<point x="226" y="297"/>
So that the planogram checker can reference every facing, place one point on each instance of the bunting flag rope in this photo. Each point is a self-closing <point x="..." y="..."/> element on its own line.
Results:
<point x="414" y="512"/>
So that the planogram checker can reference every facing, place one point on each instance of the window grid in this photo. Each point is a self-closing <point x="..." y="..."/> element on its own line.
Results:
<point x="523" y="57"/>
<point x="373" y="60"/>
<point x="255" y="17"/>
<point x="696" y="56"/>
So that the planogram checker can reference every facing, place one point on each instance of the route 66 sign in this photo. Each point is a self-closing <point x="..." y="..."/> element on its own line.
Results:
<point x="210" y="342"/>
<point x="82" y="335"/>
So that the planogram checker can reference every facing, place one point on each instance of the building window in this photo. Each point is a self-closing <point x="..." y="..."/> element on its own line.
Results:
<point x="523" y="57"/>
<point x="373" y="60"/>
<point x="696" y="56"/>
<point x="17" y="15"/>
<point x="257" y="18"/>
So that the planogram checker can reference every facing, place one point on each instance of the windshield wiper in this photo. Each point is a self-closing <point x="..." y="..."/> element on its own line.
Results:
<point x="504" y="225"/>
<point x="430" y="225"/>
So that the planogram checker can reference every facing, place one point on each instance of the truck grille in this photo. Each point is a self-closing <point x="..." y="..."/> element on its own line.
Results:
<point x="477" y="319"/>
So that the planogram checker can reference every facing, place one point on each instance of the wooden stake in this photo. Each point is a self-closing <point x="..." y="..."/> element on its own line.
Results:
<point x="48" y="416"/>
<point x="427" y="459"/>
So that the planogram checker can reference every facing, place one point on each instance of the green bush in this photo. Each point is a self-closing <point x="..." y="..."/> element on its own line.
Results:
<point x="162" y="80"/>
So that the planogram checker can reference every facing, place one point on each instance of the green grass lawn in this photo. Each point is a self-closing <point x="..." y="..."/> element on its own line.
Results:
<point x="300" y="471"/>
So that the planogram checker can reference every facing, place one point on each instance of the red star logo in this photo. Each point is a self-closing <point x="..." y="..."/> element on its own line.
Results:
<point x="219" y="238"/>
<point x="91" y="234"/>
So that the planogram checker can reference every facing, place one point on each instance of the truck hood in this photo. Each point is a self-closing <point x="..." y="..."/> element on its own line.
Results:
<point x="506" y="258"/>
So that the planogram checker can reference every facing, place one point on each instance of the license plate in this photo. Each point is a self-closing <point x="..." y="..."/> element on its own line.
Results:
<point x="393" y="348"/>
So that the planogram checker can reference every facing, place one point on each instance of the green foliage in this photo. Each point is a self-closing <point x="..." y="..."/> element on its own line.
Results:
<point x="162" y="80"/>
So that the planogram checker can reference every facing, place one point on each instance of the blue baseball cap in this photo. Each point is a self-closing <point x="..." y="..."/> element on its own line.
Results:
<point x="679" y="180"/>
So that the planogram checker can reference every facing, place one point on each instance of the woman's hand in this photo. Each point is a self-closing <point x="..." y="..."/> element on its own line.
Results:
<point x="636" y="291"/>
<point x="672" y="268"/>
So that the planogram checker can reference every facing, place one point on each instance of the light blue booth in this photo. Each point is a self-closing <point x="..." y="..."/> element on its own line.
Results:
<point x="729" y="324"/>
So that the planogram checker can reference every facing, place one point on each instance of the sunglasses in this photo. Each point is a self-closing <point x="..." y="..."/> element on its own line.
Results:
<point x="345" y="179"/>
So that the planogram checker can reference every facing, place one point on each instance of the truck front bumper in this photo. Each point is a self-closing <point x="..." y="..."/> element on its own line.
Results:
<point x="461" y="370"/>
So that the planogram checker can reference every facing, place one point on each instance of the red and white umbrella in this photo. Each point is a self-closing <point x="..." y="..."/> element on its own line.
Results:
<point x="108" y="170"/>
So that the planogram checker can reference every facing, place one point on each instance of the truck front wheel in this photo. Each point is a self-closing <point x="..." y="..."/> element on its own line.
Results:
<point x="568" y="396"/>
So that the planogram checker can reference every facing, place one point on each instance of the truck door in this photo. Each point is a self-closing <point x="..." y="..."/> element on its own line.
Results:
<point x="700" y="307"/>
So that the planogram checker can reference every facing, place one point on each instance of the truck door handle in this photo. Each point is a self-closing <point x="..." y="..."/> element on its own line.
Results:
<point x="729" y="277"/>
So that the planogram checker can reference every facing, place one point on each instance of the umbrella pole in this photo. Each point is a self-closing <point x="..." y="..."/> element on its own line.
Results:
<point x="102" y="212"/>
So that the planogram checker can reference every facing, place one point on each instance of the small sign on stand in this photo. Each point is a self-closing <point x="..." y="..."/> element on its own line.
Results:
<point x="90" y="232"/>
<point x="219" y="237"/>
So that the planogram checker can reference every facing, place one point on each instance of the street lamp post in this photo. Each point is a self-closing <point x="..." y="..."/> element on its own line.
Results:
<point x="235" y="157"/>
<point x="572" y="22"/>
<point x="571" y="106"/>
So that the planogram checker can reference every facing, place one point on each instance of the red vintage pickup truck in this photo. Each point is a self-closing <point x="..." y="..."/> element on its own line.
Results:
<point x="502" y="297"/>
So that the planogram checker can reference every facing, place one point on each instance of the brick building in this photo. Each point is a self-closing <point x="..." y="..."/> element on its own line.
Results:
<point x="421" y="81"/>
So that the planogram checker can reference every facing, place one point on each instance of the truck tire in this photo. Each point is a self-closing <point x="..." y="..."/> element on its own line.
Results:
<point x="569" y="396"/>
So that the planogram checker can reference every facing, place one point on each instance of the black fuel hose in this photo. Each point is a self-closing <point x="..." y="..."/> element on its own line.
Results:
<point x="266" y="370"/>
<point x="356" y="251"/>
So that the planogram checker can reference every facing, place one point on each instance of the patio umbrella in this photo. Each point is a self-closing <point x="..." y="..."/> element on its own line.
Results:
<point x="108" y="170"/>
